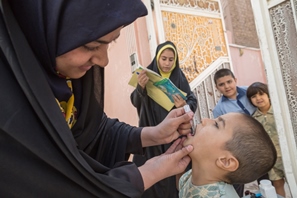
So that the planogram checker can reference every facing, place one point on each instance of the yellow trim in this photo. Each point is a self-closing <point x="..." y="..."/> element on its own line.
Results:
<point x="166" y="74"/>
<point x="69" y="108"/>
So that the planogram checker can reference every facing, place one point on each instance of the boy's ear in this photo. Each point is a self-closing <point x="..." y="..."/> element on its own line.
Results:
<point x="228" y="163"/>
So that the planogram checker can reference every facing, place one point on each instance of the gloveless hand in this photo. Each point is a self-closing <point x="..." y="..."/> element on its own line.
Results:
<point x="176" y="123"/>
<point x="172" y="162"/>
<point x="142" y="79"/>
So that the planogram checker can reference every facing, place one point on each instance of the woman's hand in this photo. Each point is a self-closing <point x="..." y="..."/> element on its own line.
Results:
<point x="142" y="79"/>
<point x="178" y="101"/>
<point x="178" y="176"/>
<point x="176" y="123"/>
<point x="172" y="162"/>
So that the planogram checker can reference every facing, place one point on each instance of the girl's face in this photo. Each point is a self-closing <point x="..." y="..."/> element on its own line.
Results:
<point x="166" y="60"/>
<point x="75" y="63"/>
<point x="261" y="100"/>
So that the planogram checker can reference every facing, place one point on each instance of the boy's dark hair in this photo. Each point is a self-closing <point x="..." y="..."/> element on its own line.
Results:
<point x="254" y="150"/>
<point x="256" y="87"/>
<point x="221" y="73"/>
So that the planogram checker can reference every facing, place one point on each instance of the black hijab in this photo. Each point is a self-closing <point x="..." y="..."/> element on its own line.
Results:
<point x="39" y="154"/>
<point x="53" y="28"/>
<point x="177" y="76"/>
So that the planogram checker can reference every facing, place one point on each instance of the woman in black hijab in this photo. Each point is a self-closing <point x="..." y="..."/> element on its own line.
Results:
<point x="55" y="139"/>
<point x="165" y="63"/>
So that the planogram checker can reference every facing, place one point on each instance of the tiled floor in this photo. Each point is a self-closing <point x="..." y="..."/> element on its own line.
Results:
<point x="253" y="187"/>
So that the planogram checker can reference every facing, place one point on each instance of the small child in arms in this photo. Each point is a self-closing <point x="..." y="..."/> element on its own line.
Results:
<point x="231" y="149"/>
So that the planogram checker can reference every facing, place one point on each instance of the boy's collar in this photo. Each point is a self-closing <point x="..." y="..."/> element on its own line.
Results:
<point x="259" y="113"/>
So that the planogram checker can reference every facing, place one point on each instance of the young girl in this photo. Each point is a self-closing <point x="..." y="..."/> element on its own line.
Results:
<point x="258" y="95"/>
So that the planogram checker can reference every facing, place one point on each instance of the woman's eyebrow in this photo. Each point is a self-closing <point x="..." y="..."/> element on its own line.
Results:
<point x="222" y="120"/>
<point x="106" y="42"/>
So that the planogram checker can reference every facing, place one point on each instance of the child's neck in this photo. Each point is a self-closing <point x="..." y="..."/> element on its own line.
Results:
<point x="202" y="176"/>
<point x="265" y="109"/>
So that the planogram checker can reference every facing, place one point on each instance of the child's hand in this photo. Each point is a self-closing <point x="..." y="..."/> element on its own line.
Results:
<point x="178" y="101"/>
<point x="142" y="79"/>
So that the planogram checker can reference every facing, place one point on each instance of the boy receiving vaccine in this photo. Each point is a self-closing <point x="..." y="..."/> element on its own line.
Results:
<point x="231" y="149"/>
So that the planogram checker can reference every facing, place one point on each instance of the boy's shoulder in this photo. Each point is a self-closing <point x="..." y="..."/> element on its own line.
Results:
<point x="214" y="190"/>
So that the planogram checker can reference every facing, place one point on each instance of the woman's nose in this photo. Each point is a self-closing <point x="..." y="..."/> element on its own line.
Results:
<point x="100" y="57"/>
<point x="166" y="62"/>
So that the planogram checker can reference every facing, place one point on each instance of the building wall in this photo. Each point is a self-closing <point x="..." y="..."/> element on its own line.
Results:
<point x="118" y="72"/>
<point x="239" y="20"/>
<point x="247" y="65"/>
<point x="200" y="40"/>
<point x="243" y="42"/>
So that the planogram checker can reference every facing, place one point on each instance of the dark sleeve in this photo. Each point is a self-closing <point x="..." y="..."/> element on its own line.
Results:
<point x="142" y="102"/>
<point x="138" y="96"/>
<point x="192" y="101"/>
<point x="114" y="142"/>
<point x="121" y="171"/>
<point x="191" y="98"/>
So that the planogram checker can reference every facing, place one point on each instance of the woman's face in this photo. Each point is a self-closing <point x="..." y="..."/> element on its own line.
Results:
<point x="166" y="60"/>
<point x="75" y="63"/>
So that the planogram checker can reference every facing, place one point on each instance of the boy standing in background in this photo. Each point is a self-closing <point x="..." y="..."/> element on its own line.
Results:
<point x="233" y="98"/>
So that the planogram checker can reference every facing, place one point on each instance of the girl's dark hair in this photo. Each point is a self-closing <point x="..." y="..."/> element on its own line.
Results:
<point x="256" y="87"/>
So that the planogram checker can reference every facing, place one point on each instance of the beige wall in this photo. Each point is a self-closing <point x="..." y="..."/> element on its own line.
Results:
<point x="247" y="65"/>
<point x="118" y="72"/>
<point x="239" y="20"/>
